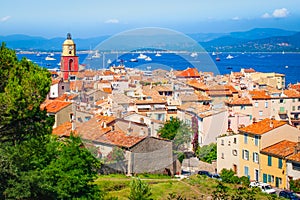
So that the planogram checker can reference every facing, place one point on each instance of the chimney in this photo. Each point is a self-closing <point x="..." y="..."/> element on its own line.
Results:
<point x="72" y="120"/>
<point x="271" y="124"/>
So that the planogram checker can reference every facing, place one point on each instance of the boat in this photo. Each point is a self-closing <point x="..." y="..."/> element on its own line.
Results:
<point x="157" y="54"/>
<point x="142" y="56"/>
<point x="49" y="58"/>
<point x="286" y="66"/>
<point x="194" y="54"/>
<point x="96" y="55"/>
<point x="133" y="60"/>
<point x="213" y="53"/>
<point x="229" y="57"/>
<point x="148" y="59"/>
<point x="109" y="61"/>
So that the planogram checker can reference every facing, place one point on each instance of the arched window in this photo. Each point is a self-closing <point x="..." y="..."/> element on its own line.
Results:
<point x="71" y="65"/>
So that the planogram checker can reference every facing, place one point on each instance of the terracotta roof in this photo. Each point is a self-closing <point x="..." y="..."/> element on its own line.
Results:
<point x="198" y="85"/>
<point x="66" y="97"/>
<point x="295" y="157"/>
<point x="231" y="88"/>
<point x="76" y="85"/>
<point x="219" y="93"/>
<point x="53" y="106"/>
<point x="262" y="127"/>
<point x="189" y="72"/>
<point x="250" y="70"/>
<point x="64" y="130"/>
<point x="239" y="101"/>
<point x="281" y="149"/>
<point x="107" y="90"/>
<point x="259" y="94"/>
<point x="295" y="86"/>
<point x="194" y="107"/>
<point x="119" y="138"/>
<point x="55" y="81"/>
<point x="292" y="93"/>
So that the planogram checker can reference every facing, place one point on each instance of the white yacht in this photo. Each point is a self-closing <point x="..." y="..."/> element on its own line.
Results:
<point x="142" y="56"/>
<point x="157" y="54"/>
<point x="194" y="54"/>
<point x="229" y="56"/>
<point x="96" y="55"/>
<point x="148" y="59"/>
<point x="49" y="58"/>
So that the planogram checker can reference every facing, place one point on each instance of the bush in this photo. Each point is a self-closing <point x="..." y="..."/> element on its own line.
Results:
<point x="228" y="176"/>
<point x="139" y="190"/>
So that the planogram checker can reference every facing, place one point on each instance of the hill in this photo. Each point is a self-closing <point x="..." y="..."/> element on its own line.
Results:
<point x="258" y="39"/>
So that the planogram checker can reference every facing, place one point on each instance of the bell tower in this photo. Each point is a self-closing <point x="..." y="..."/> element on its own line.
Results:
<point x="69" y="60"/>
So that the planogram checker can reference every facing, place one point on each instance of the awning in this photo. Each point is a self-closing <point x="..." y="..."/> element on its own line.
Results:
<point x="159" y="106"/>
<point x="143" y="106"/>
<point x="172" y="107"/>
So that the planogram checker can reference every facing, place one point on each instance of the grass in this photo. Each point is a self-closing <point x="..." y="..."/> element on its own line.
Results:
<point x="196" y="187"/>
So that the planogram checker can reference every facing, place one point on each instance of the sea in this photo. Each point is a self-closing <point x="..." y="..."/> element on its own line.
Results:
<point x="283" y="63"/>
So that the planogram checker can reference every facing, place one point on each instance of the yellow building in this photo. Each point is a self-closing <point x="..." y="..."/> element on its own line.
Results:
<point x="273" y="163"/>
<point x="271" y="79"/>
<point x="256" y="137"/>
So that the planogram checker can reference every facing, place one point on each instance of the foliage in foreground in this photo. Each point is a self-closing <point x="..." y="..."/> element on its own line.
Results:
<point x="34" y="164"/>
<point x="139" y="190"/>
<point x="207" y="153"/>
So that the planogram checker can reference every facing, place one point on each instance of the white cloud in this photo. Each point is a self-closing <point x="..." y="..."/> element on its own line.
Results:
<point x="266" y="16"/>
<point x="112" y="21"/>
<point x="4" y="19"/>
<point x="280" y="13"/>
<point x="236" y="18"/>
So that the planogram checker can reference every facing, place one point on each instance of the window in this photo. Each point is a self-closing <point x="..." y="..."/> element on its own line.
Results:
<point x="269" y="178"/>
<point x="293" y="108"/>
<point x="243" y="107"/>
<point x="256" y="104"/>
<point x="298" y="107"/>
<point x="222" y="142"/>
<point x="281" y="101"/>
<point x="269" y="160"/>
<point x="265" y="178"/>
<point x="245" y="154"/>
<point x="62" y="87"/>
<point x="246" y="171"/>
<point x="279" y="163"/>
<point x="234" y="152"/>
<point x="256" y="140"/>
<point x="245" y="138"/>
<point x="260" y="113"/>
<point x="266" y="104"/>
<point x="296" y="166"/>
<point x="255" y="157"/>
<point x="234" y="140"/>
<point x="222" y="155"/>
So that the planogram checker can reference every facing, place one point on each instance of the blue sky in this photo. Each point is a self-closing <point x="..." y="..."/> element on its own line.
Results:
<point x="105" y="17"/>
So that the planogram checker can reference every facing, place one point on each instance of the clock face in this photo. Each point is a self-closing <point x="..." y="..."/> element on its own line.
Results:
<point x="70" y="47"/>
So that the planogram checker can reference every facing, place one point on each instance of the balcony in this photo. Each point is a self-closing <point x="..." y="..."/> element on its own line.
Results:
<point x="295" y="120"/>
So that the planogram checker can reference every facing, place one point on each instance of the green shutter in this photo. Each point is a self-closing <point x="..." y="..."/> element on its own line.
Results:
<point x="279" y="163"/>
<point x="265" y="178"/>
<point x="269" y="161"/>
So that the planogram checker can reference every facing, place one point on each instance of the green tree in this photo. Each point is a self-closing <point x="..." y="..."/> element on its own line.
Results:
<point x="139" y="190"/>
<point x="295" y="185"/>
<point x="207" y="153"/>
<point x="228" y="176"/>
<point x="177" y="131"/>
<point x="33" y="163"/>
